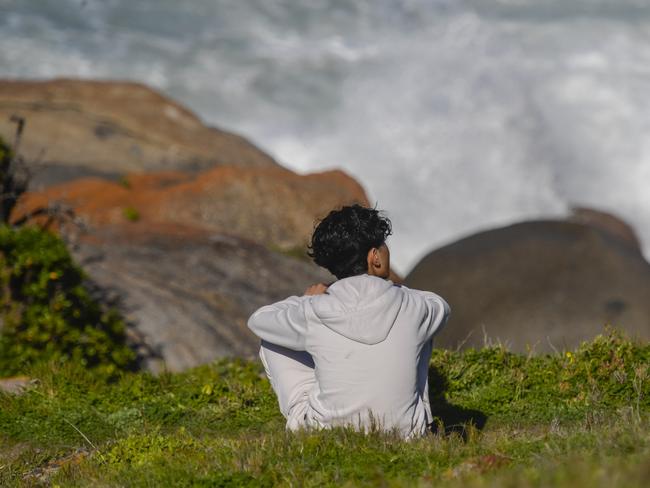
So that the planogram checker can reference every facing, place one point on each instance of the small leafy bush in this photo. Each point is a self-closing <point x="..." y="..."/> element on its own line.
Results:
<point x="131" y="214"/>
<point x="46" y="313"/>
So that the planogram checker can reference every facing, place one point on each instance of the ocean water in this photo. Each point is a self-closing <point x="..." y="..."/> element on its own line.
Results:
<point x="456" y="116"/>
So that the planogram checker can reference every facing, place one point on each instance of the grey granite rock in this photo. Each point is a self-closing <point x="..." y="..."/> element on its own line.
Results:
<point x="545" y="284"/>
<point x="186" y="294"/>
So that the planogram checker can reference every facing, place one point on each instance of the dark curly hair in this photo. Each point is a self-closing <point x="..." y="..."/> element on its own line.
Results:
<point x="341" y="241"/>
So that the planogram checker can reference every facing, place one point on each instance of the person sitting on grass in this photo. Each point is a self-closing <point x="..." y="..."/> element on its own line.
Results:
<point x="354" y="353"/>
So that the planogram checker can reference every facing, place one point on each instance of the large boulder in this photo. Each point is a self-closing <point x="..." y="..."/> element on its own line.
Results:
<point x="187" y="293"/>
<point x="77" y="128"/>
<point x="545" y="285"/>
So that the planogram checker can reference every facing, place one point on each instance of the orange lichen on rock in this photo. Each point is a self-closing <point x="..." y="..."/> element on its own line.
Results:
<point x="271" y="205"/>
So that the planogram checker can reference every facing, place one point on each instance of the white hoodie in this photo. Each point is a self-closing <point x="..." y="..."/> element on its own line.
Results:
<point x="370" y="341"/>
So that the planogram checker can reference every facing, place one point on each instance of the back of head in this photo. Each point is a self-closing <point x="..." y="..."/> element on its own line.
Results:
<point x="341" y="241"/>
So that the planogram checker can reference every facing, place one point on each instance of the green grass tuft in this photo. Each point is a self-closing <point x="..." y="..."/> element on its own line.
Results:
<point x="131" y="214"/>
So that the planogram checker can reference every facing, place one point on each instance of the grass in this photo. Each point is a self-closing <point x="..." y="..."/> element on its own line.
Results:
<point x="576" y="419"/>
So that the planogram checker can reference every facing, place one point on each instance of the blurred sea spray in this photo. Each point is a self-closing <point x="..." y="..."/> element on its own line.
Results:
<point x="456" y="116"/>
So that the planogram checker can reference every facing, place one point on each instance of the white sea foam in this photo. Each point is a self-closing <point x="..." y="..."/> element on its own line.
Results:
<point x="456" y="115"/>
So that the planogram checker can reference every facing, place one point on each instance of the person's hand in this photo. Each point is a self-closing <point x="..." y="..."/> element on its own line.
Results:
<point x="317" y="289"/>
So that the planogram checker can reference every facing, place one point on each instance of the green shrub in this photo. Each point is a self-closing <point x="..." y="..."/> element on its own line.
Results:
<point x="131" y="214"/>
<point x="47" y="314"/>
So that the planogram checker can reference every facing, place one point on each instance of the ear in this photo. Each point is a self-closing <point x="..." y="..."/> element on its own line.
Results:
<point x="374" y="261"/>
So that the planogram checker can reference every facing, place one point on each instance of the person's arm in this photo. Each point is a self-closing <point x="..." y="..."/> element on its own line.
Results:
<point x="437" y="312"/>
<point x="284" y="323"/>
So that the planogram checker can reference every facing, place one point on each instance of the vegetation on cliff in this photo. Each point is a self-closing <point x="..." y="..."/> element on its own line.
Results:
<point x="46" y="312"/>
<point x="574" y="419"/>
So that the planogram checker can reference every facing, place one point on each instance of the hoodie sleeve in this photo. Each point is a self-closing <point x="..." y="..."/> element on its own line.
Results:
<point x="436" y="315"/>
<point x="283" y="323"/>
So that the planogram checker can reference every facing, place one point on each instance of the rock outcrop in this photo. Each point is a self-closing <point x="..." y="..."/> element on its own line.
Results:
<point x="272" y="205"/>
<point x="187" y="257"/>
<point x="77" y="128"/>
<point x="546" y="284"/>
<point x="15" y="385"/>
<point x="187" y="293"/>
<point x="188" y="229"/>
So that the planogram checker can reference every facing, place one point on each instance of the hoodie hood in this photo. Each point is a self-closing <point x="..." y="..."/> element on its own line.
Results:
<point x="361" y="308"/>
